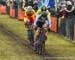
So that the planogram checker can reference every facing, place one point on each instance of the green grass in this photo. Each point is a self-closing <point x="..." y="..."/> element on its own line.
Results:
<point x="59" y="46"/>
<point x="13" y="25"/>
<point x="12" y="50"/>
<point x="56" y="45"/>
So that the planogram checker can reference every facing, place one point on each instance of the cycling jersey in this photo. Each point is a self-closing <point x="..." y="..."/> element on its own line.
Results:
<point x="29" y="16"/>
<point x="39" y="22"/>
<point x="39" y="12"/>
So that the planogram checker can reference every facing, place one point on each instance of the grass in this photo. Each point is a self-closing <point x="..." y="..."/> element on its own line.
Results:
<point x="60" y="46"/>
<point x="12" y="50"/>
<point x="13" y="25"/>
<point x="56" y="45"/>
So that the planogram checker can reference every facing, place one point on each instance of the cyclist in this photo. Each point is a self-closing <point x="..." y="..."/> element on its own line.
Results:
<point x="28" y="21"/>
<point x="41" y="22"/>
<point x="43" y="8"/>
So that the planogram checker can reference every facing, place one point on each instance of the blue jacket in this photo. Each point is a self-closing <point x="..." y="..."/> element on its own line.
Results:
<point x="40" y="18"/>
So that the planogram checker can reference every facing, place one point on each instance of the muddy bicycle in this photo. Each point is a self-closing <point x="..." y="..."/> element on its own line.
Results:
<point x="40" y="42"/>
<point x="30" y="33"/>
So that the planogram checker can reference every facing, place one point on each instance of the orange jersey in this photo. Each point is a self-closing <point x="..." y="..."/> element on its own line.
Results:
<point x="30" y="16"/>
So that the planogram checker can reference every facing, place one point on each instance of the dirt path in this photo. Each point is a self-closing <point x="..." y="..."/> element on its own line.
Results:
<point x="18" y="39"/>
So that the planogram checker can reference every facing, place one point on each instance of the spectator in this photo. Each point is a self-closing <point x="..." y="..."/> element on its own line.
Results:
<point x="3" y="2"/>
<point x="8" y="6"/>
<point x="39" y="3"/>
<point x="30" y="3"/>
<point x="16" y="8"/>
<point x="35" y="6"/>
<point x="61" y="20"/>
<point x="11" y="3"/>
<point x="70" y="17"/>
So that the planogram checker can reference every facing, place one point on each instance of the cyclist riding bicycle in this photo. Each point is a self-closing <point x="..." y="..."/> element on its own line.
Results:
<point x="41" y="22"/>
<point x="28" y="21"/>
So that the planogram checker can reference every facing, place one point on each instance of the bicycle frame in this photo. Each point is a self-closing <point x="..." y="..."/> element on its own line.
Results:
<point x="30" y="33"/>
<point x="41" y="41"/>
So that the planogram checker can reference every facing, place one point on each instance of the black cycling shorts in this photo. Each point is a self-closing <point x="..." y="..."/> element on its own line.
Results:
<point x="40" y="24"/>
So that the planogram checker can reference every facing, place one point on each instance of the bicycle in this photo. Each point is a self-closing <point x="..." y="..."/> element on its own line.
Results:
<point x="40" y="41"/>
<point x="30" y="32"/>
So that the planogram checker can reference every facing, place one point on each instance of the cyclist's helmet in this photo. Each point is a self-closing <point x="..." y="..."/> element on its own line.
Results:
<point x="44" y="14"/>
<point x="29" y="8"/>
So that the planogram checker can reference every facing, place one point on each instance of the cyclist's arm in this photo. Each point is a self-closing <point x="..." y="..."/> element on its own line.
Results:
<point x="25" y="16"/>
<point x="39" y="12"/>
<point x="48" y="14"/>
<point x="34" y="13"/>
<point x="36" y="21"/>
<point x="49" y="22"/>
<point x="25" y="8"/>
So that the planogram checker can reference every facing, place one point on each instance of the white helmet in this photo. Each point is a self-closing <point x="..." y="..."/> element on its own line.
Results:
<point x="35" y="2"/>
<point x="29" y="8"/>
<point x="69" y="3"/>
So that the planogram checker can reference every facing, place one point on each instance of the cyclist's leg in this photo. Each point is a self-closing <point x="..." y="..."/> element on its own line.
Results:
<point x="26" y="27"/>
<point x="35" y="45"/>
<point x="31" y="22"/>
<point x="45" y="38"/>
<point x="37" y="32"/>
<point x="43" y="46"/>
<point x="25" y="21"/>
<point x="45" y="29"/>
<point x="40" y="49"/>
